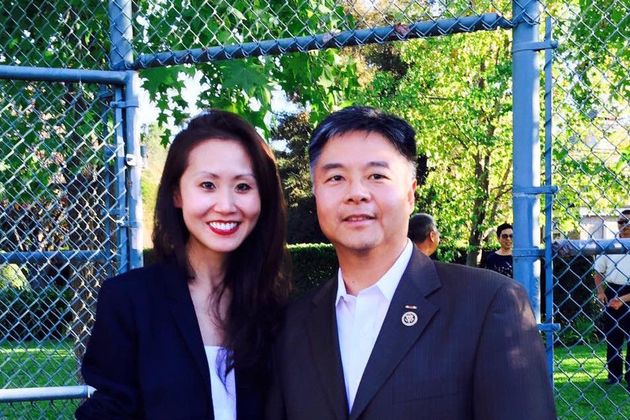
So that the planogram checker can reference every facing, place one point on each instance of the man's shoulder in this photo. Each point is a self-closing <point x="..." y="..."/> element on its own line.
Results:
<point x="305" y="302"/>
<point x="459" y="275"/>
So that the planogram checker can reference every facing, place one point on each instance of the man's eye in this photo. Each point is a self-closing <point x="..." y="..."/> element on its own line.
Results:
<point x="378" y="176"/>
<point x="335" y="178"/>
<point x="243" y="187"/>
<point x="207" y="185"/>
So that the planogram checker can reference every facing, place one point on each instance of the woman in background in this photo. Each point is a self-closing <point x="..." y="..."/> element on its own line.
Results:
<point x="190" y="336"/>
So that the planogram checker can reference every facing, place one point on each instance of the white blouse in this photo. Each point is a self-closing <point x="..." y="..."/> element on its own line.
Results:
<point x="223" y="396"/>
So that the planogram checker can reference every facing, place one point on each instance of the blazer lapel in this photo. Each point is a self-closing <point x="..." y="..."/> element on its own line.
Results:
<point x="321" y="328"/>
<point x="395" y="338"/>
<point x="184" y="315"/>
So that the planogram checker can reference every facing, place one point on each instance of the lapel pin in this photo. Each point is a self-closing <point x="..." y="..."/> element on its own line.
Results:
<point x="409" y="319"/>
<point x="411" y="307"/>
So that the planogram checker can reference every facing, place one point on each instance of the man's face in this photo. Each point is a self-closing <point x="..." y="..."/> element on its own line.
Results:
<point x="364" y="191"/>
<point x="505" y="239"/>
<point x="623" y="223"/>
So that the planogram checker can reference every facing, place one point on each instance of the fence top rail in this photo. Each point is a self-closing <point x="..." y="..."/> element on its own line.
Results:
<point x="62" y="75"/>
<point x="13" y="395"/>
<point x="591" y="247"/>
<point x="376" y="35"/>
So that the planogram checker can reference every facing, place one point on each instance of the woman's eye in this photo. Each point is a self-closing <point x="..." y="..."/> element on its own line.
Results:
<point x="243" y="187"/>
<point x="207" y="185"/>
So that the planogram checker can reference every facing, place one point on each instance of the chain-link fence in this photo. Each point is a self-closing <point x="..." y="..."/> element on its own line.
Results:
<point x="63" y="163"/>
<point x="61" y="209"/>
<point x="591" y="153"/>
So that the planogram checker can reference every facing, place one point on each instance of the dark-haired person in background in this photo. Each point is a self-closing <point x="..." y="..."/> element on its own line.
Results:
<point x="396" y="335"/>
<point x="423" y="233"/>
<point x="189" y="337"/>
<point x="501" y="259"/>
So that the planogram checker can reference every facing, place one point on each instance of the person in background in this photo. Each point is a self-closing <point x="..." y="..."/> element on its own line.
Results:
<point x="501" y="259"/>
<point x="423" y="233"/>
<point x="395" y="335"/>
<point x="189" y="337"/>
<point x="612" y="283"/>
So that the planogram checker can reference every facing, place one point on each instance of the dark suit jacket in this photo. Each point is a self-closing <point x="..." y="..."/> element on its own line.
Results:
<point x="146" y="356"/>
<point x="474" y="353"/>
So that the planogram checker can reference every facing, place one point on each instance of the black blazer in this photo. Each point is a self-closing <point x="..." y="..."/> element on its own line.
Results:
<point x="474" y="353"/>
<point x="146" y="357"/>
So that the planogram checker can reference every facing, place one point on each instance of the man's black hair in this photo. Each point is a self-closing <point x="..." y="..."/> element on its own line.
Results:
<point x="361" y="118"/>
<point x="502" y="227"/>
<point x="420" y="226"/>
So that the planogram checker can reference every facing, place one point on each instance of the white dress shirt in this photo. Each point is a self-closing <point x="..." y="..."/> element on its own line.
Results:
<point x="615" y="268"/>
<point x="360" y="318"/>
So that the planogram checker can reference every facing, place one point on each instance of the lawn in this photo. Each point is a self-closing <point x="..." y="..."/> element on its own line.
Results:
<point x="579" y="381"/>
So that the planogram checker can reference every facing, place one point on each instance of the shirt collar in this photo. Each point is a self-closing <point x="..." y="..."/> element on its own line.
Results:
<point x="388" y="283"/>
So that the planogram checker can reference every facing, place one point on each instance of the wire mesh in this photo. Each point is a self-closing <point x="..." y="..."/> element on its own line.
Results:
<point x="59" y="217"/>
<point x="60" y="170"/>
<point x="160" y="27"/>
<point x="591" y="166"/>
<point x="51" y="33"/>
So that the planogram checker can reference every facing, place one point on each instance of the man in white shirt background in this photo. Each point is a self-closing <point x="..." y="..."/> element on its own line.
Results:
<point x="612" y="279"/>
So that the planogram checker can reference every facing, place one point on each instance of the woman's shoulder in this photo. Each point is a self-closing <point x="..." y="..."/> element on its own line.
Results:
<point x="140" y="278"/>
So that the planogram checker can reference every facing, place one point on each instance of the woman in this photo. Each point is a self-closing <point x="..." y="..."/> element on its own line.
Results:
<point x="189" y="337"/>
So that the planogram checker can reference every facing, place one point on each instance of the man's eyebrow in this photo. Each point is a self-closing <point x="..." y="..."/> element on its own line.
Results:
<point x="374" y="163"/>
<point x="378" y="163"/>
<point x="332" y="165"/>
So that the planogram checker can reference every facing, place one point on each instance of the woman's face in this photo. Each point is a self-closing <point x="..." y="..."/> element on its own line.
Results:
<point x="219" y="197"/>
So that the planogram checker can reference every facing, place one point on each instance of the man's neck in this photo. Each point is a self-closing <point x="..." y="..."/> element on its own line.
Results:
<point x="361" y="270"/>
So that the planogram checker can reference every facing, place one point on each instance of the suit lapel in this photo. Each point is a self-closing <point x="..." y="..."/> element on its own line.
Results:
<point x="321" y="327"/>
<point x="395" y="339"/>
<point x="183" y="311"/>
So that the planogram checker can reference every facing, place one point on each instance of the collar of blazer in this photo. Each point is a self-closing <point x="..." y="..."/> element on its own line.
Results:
<point x="176" y="290"/>
<point x="419" y="280"/>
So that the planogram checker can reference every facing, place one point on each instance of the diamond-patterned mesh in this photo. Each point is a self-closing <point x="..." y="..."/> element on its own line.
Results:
<point x="591" y="112"/>
<point x="60" y="167"/>
<point x="58" y="198"/>
<point x="52" y="33"/>
<point x="161" y="28"/>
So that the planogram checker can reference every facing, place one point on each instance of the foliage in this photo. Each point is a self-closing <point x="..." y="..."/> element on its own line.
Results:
<point x="455" y="92"/>
<point x="313" y="265"/>
<point x="34" y="315"/>
<point x="151" y="174"/>
<point x="11" y="276"/>
<point x="321" y="79"/>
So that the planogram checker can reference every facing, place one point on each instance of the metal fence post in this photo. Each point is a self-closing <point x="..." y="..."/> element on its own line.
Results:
<point x="526" y="148"/>
<point x="121" y="57"/>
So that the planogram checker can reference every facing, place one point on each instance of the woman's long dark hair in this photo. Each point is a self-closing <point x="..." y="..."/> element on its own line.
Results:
<point x="255" y="271"/>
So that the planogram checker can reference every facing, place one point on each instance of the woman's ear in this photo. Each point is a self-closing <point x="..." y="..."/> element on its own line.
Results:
<point x="177" y="199"/>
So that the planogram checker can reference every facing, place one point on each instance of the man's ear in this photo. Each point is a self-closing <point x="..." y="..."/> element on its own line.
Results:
<point x="177" y="199"/>
<point x="411" y="195"/>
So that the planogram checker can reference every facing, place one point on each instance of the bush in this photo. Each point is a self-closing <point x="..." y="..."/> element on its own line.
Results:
<point x="312" y="265"/>
<point x="11" y="275"/>
<point x="34" y="315"/>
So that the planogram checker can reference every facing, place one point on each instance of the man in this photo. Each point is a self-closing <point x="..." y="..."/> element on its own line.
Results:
<point x="395" y="335"/>
<point x="612" y="280"/>
<point x="423" y="233"/>
<point x="501" y="260"/>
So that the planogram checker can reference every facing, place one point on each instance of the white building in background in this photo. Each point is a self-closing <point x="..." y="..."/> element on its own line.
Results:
<point x="598" y="226"/>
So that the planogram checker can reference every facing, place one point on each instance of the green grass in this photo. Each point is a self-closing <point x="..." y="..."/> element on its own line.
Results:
<point x="579" y="376"/>
<point x="579" y="381"/>
<point x="35" y="365"/>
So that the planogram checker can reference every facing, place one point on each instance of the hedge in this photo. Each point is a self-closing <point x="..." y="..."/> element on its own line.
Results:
<point x="34" y="315"/>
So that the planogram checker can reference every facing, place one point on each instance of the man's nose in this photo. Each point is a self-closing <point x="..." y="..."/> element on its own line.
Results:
<point x="357" y="192"/>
